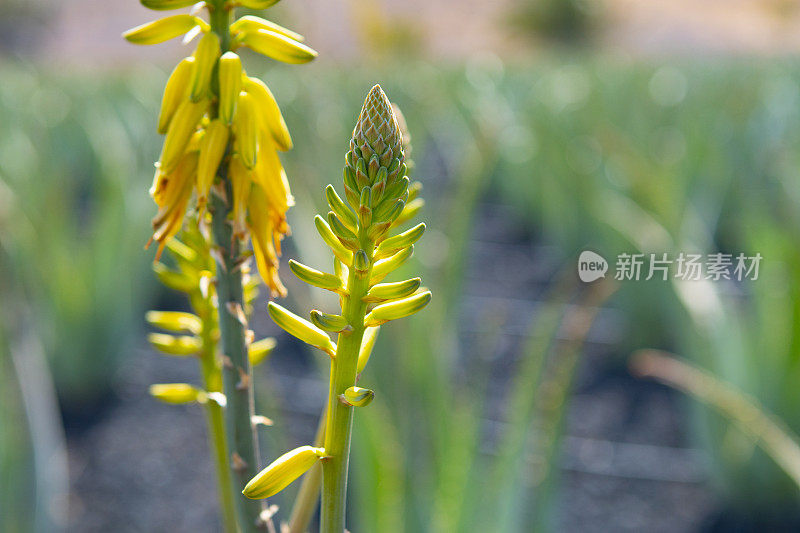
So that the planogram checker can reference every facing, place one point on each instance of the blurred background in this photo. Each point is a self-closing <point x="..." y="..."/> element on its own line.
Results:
<point x="540" y="128"/>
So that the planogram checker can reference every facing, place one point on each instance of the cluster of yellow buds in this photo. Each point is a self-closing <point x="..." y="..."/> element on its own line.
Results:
<point x="220" y="122"/>
<point x="378" y="199"/>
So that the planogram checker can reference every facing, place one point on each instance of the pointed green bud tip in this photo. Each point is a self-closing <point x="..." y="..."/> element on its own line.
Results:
<point x="377" y="141"/>
<point x="358" y="396"/>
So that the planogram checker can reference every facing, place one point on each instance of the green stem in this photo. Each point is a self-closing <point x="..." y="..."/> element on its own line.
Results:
<point x="212" y="382"/>
<point x="308" y="496"/>
<point x="340" y="416"/>
<point x="236" y="374"/>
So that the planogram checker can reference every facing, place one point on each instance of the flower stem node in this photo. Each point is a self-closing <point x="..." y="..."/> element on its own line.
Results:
<point x="281" y="472"/>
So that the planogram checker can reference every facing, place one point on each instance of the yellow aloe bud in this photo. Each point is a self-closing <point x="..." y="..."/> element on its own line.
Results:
<point x="344" y="255"/>
<point x="328" y="322"/>
<point x="409" y="211"/>
<point x="347" y="237"/>
<point x="241" y="180"/>
<point x="245" y="132"/>
<point x="386" y="266"/>
<point x="398" y="242"/>
<point x="268" y="112"/>
<point x="301" y="328"/>
<point x="397" y="309"/>
<point x="258" y="351"/>
<point x="172" y="279"/>
<point x="358" y="396"/>
<point x="277" y="46"/>
<point x="164" y="29"/>
<point x="175" y="344"/>
<point x="212" y="148"/>
<point x="367" y="344"/>
<point x="176" y="393"/>
<point x="391" y="291"/>
<point x="230" y="83"/>
<point x="175" y="321"/>
<point x="341" y="209"/>
<point x="282" y="471"/>
<point x="314" y="277"/>
<point x="252" y="23"/>
<point x="166" y="5"/>
<point x="175" y="92"/>
<point x="205" y="57"/>
<point x="181" y="128"/>
<point x="258" y="4"/>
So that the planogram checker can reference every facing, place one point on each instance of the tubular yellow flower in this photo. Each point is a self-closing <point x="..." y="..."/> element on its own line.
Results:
<point x="265" y="235"/>
<point x="269" y="114"/>
<point x="282" y="471"/>
<point x="205" y="57"/>
<point x="241" y="181"/>
<point x="164" y="29"/>
<point x="244" y="130"/>
<point x="251" y="23"/>
<point x="175" y="92"/>
<point x="212" y="148"/>
<point x="180" y="131"/>
<point x="230" y="83"/>
<point x="276" y="46"/>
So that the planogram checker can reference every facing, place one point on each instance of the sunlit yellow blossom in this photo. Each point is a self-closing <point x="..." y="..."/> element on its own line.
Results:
<point x="216" y="117"/>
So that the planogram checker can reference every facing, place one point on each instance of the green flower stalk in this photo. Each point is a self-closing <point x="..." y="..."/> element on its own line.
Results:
<point x="358" y="232"/>
<point x="196" y="334"/>
<point x="223" y="131"/>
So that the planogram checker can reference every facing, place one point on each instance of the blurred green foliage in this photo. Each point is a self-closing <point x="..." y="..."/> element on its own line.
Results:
<point x="74" y="158"/>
